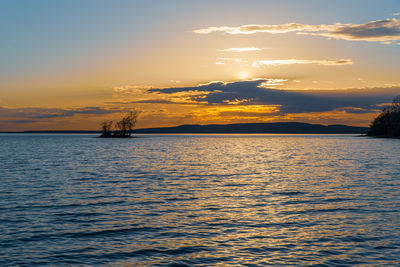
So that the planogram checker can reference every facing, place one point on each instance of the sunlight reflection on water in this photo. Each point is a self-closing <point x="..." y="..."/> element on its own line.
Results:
<point x="199" y="200"/>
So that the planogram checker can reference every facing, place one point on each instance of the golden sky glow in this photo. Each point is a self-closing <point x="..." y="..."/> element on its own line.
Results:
<point x="72" y="74"/>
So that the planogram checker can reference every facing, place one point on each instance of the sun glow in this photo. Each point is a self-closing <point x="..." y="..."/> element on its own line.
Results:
<point x="243" y="75"/>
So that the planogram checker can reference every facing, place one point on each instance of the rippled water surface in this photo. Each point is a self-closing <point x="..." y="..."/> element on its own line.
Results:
<point x="199" y="200"/>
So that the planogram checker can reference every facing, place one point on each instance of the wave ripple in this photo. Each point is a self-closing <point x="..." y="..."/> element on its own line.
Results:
<point x="199" y="200"/>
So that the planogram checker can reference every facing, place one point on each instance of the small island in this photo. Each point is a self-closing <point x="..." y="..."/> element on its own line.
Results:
<point x="120" y="129"/>
<point x="387" y="124"/>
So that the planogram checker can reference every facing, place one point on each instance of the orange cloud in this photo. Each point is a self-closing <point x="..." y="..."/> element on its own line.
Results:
<point x="337" y="116"/>
<point x="236" y="113"/>
<point x="241" y="49"/>
<point x="134" y="94"/>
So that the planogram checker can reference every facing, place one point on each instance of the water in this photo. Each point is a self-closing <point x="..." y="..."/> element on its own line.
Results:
<point x="199" y="200"/>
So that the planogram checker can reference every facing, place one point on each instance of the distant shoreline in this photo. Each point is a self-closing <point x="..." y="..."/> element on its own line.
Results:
<point x="238" y="128"/>
<point x="133" y="134"/>
<point x="54" y="132"/>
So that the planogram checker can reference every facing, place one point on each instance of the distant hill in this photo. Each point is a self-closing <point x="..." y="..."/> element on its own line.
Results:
<point x="276" y="127"/>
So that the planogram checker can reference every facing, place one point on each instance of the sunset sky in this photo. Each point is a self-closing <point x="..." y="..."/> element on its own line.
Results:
<point x="73" y="64"/>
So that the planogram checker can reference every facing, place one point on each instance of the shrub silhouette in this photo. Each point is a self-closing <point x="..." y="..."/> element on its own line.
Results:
<point x="388" y="122"/>
<point x="122" y="128"/>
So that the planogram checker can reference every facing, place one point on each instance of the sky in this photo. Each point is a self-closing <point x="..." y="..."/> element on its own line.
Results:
<point x="69" y="65"/>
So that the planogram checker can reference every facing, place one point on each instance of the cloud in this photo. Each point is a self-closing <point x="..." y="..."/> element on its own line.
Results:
<point x="241" y="49"/>
<point x="385" y="30"/>
<point x="354" y="110"/>
<point x="278" y="62"/>
<point x="374" y="31"/>
<point x="257" y="92"/>
<point x="236" y="113"/>
<point x="256" y="28"/>
<point x="237" y="101"/>
<point x="18" y="121"/>
<point x="332" y="117"/>
<point x="149" y="101"/>
<point x="271" y="83"/>
<point x="145" y="95"/>
<point x="225" y="60"/>
<point x="237" y="60"/>
<point x="325" y="62"/>
<point x="31" y="114"/>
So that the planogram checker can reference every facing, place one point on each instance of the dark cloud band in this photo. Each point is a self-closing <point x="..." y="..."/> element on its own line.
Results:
<point x="290" y="101"/>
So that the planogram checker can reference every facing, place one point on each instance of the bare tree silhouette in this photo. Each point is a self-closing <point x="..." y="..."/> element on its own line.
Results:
<point x="106" y="127"/>
<point x="123" y="128"/>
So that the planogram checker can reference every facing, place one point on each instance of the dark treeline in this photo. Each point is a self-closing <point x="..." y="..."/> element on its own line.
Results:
<point x="387" y="124"/>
